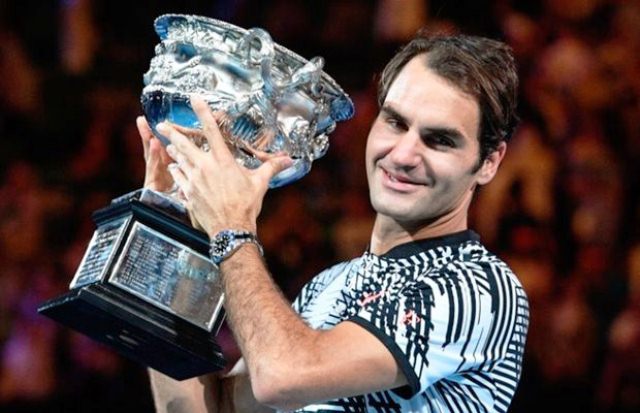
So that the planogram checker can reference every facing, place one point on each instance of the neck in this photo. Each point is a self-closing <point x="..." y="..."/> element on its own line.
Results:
<point x="388" y="232"/>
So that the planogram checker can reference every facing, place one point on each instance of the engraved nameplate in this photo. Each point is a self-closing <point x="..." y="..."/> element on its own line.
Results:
<point x="99" y="253"/>
<point x="169" y="275"/>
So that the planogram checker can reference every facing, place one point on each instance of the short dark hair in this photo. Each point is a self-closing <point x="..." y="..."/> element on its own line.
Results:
<point x="481" y="67"/>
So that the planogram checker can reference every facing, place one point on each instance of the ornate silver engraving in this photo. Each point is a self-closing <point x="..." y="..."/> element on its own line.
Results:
<point x="274" y="101"/>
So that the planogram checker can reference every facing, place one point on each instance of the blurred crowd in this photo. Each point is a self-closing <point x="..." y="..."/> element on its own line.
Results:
<point x="563" y="211"/>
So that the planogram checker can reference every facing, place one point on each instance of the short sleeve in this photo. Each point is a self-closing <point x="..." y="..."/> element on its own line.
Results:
<point x="317" y="296"/>
<point x="416" y="326"/>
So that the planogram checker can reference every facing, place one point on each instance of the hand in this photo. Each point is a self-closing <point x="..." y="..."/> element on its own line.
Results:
<point x="157" y="176"/>
<point x="219" y="192"/>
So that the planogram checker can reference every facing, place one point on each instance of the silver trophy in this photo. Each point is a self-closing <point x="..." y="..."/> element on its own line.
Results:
<point x="146" y="285"/>
<point x="273" y="99"/>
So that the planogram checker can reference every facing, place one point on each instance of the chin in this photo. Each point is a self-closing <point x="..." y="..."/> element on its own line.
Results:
<point x="394" y="211"/>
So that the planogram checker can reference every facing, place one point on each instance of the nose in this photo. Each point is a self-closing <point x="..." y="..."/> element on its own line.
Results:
<point x="405" y="152"/>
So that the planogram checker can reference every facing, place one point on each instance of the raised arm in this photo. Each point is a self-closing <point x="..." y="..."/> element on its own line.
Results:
<point x="289" y="363"/>
<point x="210" y="393"/>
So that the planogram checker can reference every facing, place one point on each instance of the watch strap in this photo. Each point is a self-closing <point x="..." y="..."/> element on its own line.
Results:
<point x="226" y="242"/>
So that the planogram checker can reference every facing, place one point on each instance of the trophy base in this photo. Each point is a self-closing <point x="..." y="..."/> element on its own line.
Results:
<point x="147" y="288"/>
<point x="137" y="330"/>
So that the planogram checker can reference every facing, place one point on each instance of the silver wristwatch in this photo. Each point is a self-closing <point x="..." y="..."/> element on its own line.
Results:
<point x="226" y="242"/>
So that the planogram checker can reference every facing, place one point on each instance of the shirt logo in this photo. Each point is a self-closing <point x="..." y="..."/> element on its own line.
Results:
<point x="411" y="318"/>
<point x="368" y="298"/>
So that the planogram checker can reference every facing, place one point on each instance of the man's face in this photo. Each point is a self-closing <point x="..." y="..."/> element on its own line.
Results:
<point x="423" y="149"/>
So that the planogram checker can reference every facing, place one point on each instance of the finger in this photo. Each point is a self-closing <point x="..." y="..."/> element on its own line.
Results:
<point x="145" y="134"/>
<point x="259" y="147"/>
<point x="189" y="132"/>
<point x="159" y="148"/>
<point x="179" y="178"/>
<point x="181" y="161"/>
<point x="157" y="153"/>
<point x="157" y="157"/>
<point x="157" y="176"/>
<point x="273" y="167"/>
<point x="153" y="148"/>
<point x="209" y="122"/>
<point x="181" y="143"/>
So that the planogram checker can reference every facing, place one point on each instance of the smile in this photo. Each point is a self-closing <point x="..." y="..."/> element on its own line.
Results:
<point x="398" y="183"/>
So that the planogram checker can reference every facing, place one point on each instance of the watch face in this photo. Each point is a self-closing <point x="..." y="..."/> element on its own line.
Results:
<point x="221" y="244"/>
<point x="227" y="241"/>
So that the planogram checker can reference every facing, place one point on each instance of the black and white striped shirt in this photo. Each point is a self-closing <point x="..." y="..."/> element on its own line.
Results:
<point x="453" y="315"/>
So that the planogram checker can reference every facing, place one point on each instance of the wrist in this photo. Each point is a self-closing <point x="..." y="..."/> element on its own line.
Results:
<point x="226" y="242"/>
<point x="214" y="229"/>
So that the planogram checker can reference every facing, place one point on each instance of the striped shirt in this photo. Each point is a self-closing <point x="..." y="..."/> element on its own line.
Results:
<point x="451" y="313"/>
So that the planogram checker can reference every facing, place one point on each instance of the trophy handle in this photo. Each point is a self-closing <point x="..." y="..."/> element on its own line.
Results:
<point x="308" y="74"/>
<point x="262" y="56"/>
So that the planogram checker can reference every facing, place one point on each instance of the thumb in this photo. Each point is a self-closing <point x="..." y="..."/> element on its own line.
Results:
<point x="145" y="134"/>
<point x="273" y="166"/>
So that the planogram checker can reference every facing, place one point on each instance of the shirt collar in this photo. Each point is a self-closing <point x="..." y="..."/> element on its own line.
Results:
<point x="417" y="246"/>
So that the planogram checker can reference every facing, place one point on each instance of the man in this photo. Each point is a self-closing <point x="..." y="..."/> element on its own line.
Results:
<point x="427" y="320"/>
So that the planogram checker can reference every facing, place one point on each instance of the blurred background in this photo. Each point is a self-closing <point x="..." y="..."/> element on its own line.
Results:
<point x="563" y="211"/>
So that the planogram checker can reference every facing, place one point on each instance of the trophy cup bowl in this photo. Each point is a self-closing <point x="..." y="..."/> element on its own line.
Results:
<point x="146" y="285"/>
<point x="273" y="100"/>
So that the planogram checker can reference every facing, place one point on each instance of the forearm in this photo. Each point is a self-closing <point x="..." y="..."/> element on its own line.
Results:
<point x="273" y="339"/>
<point x="196" y="395"/>
<point x="228" y="394"/>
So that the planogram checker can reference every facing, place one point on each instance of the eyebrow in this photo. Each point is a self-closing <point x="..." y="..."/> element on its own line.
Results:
<point x="452" y="133"/>
<point x="394" y="114"/>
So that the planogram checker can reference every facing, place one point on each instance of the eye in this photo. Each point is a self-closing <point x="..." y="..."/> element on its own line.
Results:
<point x="437" y="140"/>
<point x="395" y="123"/>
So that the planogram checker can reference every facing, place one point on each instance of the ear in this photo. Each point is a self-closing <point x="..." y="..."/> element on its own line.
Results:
<point x="490" y="165"/>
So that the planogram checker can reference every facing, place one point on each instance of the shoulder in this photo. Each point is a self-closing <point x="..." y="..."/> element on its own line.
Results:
<point x="485" y="266"/>
<point x="469" y="270"/>
<point x="488" y="279"/>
